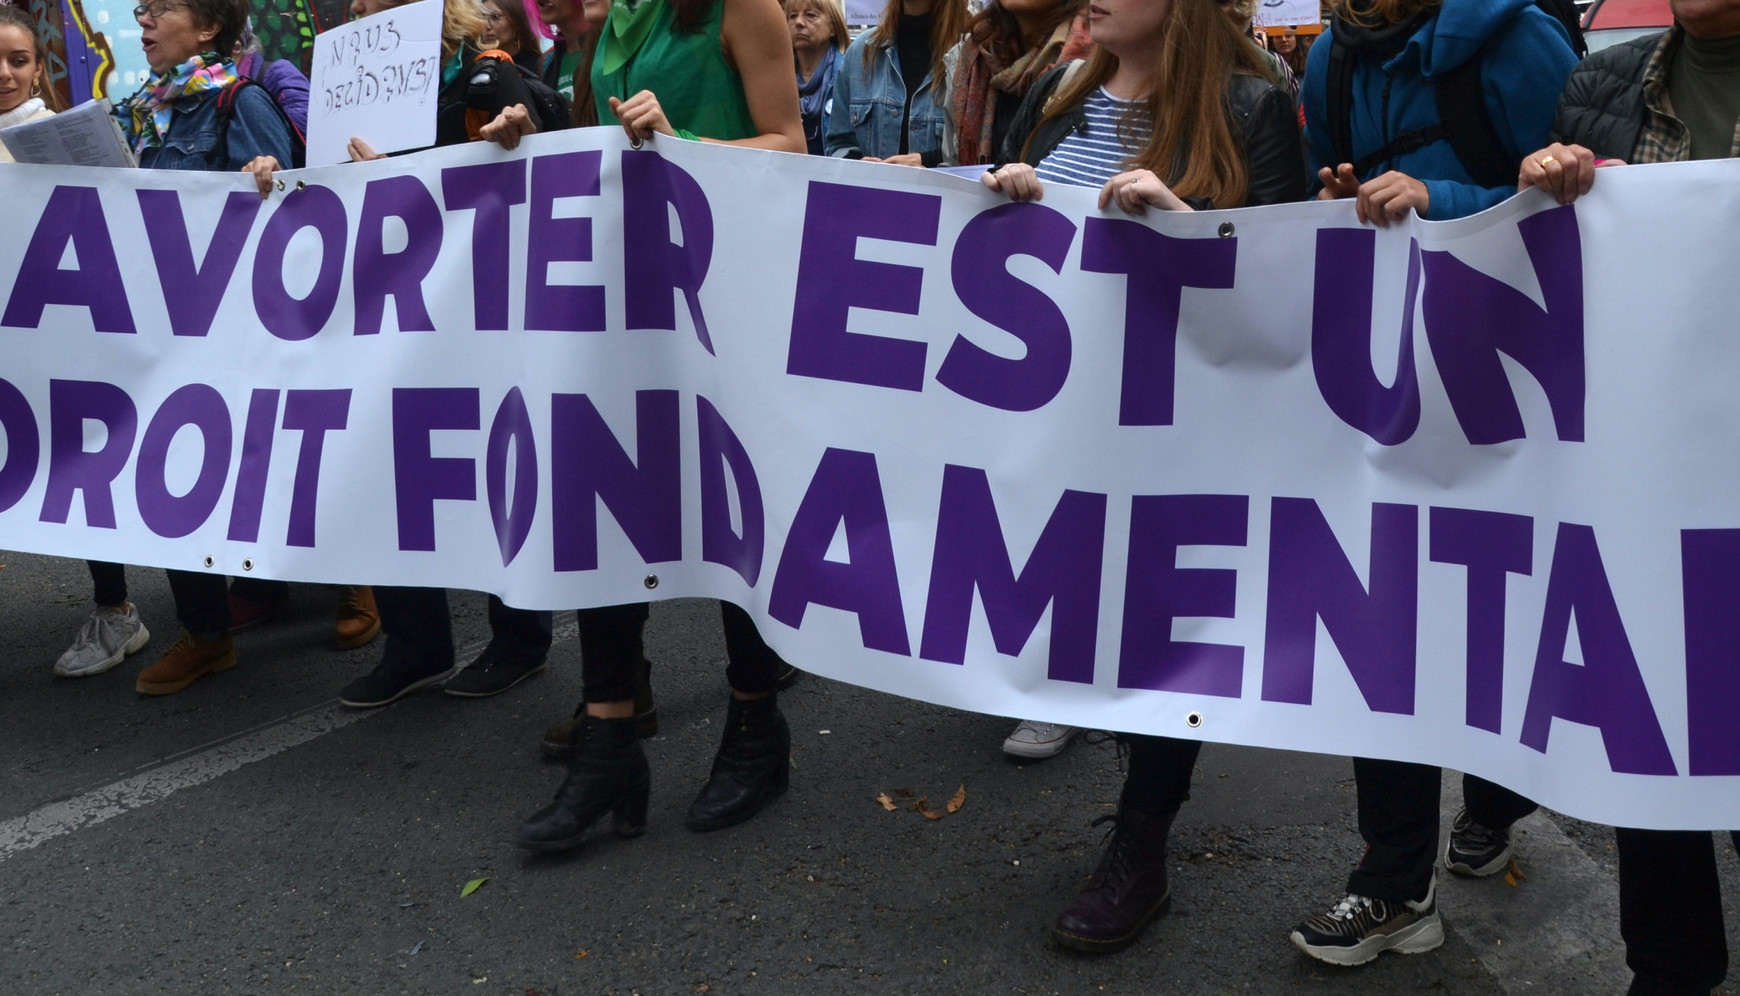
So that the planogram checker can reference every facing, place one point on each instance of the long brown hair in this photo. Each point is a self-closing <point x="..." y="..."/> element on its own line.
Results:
<point x="996" y="31"/>
<point x="16" y="17"/>
<point x="584" y="109"/>
<point x="1378" y="13"/>
<point x="948" y="23"/>
<point x="1193" y="148"/>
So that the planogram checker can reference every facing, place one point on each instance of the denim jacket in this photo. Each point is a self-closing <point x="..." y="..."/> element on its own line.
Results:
<point x="194" y="141"/>
<point x="865" y="119"/>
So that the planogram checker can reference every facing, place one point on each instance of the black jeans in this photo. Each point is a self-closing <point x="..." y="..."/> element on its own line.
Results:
<point x="1398" y="817"/>
<point x="1670" y="912"/>
<point x="108" y="583"/>
<point x="611" y="649"/>
<point x="419" y="630"/>
<point x="202" y="601"/>
<point x="1158" y="782"/>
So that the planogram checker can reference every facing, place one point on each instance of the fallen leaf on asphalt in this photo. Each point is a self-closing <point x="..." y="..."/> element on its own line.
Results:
<point x="1514" y="874"/>
<point x="923" y="806"/>
<point x="581" y="954"/>
<point x="472" y="886"/>
<point x="703" y="988"/>
<point x="886" y="802"/>
<point x="958" y="801"/>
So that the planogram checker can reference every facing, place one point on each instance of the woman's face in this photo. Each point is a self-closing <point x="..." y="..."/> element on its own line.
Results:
<point x="498" y="31"/>
<point x="1284" y="44"/>
<point x="363" y="8"/>
<point x="18" y="66"/>
<point x="1126" y="27"/>
<point x="809" y="26"/>
<point x="170" y="35"/>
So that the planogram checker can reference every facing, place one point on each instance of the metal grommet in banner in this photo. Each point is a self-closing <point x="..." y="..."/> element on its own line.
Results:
<point x="1226" y="229"/>
<point x="301" y="184"/>
<point x="1193" y="719"/>
<point x="651" y="582"/>
<point x="635" y="143"/>
<point x="210" y="561"/>
<point x="280" y="184"/>
<point x="247" y="563"/>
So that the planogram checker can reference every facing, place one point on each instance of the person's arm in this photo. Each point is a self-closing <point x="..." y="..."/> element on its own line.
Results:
<point x="758" y="43"/>
<point x="840" y="139"/>
<point x="1522" y="75"/>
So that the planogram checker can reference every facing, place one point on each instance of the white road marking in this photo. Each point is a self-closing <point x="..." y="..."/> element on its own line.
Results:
<point x="197" y="766"/>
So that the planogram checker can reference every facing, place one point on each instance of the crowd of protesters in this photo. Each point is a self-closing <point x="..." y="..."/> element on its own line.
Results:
<point x="1439" y="108"/>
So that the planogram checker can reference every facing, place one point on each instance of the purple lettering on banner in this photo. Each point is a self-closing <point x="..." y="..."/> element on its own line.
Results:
<point x="1159" y="267"/>
<point x="512" y="426"/>
<point x="289" y="318"/>
<point x="983" y="283"/>
<point x="654" y="266"/>
<point x="23" y="445"/>
<point x="71" y="467"/>
<point x="588" y="464"/>
<point x="561" y="307"/>
<point x="72" y="215"/>
<point x="174" y="516"/>
<point x="488" y="189"/>
<point x="721" y="450"/>
<point x="192" y="291"/>
<point x="1310" y="579"/>
<point x="1606" y="691"/>
<point x="1158" y="591"/>
<point x="1471" y="318"/>
<point x="314" y="414"/>
<point x="1063" y="572"/>
<point x="846" y="490"/>
<point x="832" y="280"/>
<point x="376" y="273"/>
<point x="420" y="478"/>
<point x="249" y="500"/>
<point x="1710" y="578"/>
<point x="1341" y="338"/>
<point x="1491" y="545"/>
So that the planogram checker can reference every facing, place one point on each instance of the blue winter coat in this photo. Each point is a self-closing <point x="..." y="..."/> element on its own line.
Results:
<point x="1525" y="58"/>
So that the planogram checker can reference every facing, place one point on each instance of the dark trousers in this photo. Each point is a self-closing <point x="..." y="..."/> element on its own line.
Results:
<point x="108" y="583"/>
<point x="1158" y="781"/>
<point x="419" y="630"/>
<point x="611" y="649"/>
<point x="1398" y="817"/>
<point x="1670" y="912"/>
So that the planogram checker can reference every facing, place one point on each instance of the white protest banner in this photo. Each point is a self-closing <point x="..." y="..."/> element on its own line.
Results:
<point x="1461" y="493"/>
<point x="1275" y="13"/>
<point x="376" y="78"/>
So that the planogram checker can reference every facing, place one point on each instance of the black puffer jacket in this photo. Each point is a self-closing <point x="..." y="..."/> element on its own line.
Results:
<point x="1263" y="118"/>
<point x="1602" y="107"/>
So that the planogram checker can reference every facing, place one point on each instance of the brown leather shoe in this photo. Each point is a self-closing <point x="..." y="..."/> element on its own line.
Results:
<point x="358" y="619"/>
<point x="1126" y="892"/>
<point x="185" y="663"/>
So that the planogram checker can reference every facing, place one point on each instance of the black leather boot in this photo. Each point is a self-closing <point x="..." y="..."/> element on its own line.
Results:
<point x="1126" y="892"/>
<point x="560" y="740"/>
<point x="607" y="774"/>
<point x="753" y="764"/>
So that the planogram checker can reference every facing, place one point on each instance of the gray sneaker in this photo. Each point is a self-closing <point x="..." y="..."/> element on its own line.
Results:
<point x="109" y="634"/>
<point x="1034" y="740"/>
<point x="1360" y="928"/>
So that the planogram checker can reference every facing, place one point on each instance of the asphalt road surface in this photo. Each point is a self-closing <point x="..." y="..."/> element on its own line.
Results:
<point x="249" y="835"/>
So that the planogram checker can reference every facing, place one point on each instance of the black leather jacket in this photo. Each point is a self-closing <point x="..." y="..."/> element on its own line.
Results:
<point x="1263" y="118"/>
<point x="1602" y="107"/>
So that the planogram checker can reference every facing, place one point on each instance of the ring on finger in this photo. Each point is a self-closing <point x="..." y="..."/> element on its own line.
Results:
<point x="1546" y="161"/>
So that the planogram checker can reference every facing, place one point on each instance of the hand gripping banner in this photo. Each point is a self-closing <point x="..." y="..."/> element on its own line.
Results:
<point x="1462" y="493"/>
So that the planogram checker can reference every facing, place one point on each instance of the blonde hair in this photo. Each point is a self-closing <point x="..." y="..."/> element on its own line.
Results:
<point x="838" y="33"/>
<point x="948" y="23"/>
<point x="1193" y="147"/>
<point x="462" y="24"/>
<point x="1378" y="13"/>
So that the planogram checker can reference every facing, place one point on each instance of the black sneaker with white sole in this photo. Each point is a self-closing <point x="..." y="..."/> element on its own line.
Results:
<point x="491" y="674"/>
<point x="1360" y="928"/>
<point x="390" y="682"/>
<point x="1475" y="850"/>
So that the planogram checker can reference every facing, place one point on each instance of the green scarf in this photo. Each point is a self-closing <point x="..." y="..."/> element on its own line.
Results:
<point x="626" y="29"/>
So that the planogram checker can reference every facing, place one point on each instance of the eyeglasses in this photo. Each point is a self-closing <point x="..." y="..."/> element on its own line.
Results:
<point x="158" y="9"/>
<point x="492" y="16"/>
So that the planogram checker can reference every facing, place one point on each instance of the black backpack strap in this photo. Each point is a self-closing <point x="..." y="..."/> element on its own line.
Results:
<point x="1462" y="110"/>
<point x="1339" y="94"/>
<point x="1401" y="145"/>
<point x="226" y="105"/>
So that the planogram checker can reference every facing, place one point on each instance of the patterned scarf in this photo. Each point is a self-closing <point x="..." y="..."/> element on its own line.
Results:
<point x="146" y="114"/>
<point x="982" y="73"/>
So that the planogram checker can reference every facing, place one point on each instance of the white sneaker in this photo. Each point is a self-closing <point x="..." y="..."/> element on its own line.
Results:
<point x="1033" y="739"/>
<point x="107" y="637"/>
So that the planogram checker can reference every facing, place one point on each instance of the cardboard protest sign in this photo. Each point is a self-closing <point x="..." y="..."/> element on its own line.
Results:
<point x="376" y="79"/>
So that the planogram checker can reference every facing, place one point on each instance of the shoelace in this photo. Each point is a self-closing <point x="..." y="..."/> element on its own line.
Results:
<point x="1479" y="835"/>
<point x="1116" y="861"/>
<point x="1349" y="907"/>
